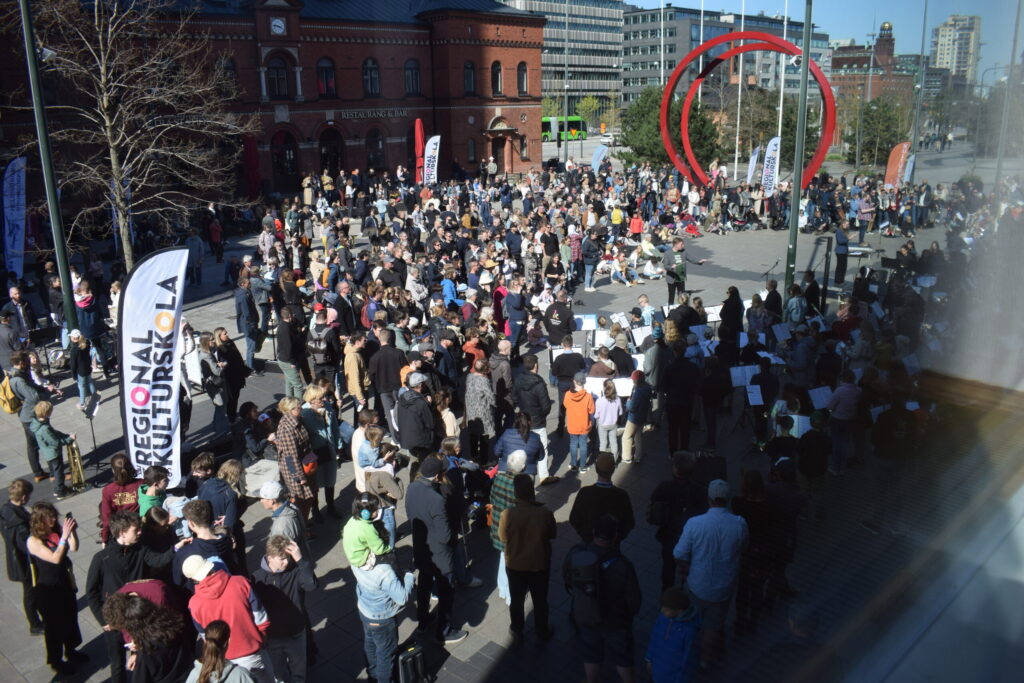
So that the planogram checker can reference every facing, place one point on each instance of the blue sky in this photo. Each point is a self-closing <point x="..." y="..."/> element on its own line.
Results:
<point x="846" y="19"/>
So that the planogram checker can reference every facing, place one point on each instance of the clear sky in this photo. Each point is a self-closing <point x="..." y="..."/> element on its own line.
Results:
<point x="853" y="19"/>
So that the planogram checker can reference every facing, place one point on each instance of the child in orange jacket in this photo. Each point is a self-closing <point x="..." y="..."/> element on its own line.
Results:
<point x="579" y="413"/>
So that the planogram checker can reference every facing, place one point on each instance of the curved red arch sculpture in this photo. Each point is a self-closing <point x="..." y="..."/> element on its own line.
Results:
<point x="768" y="42"/>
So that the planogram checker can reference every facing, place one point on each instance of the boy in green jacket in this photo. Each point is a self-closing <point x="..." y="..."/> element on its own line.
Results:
<point x="50" y="442"/>
<point x="360" y="539"/>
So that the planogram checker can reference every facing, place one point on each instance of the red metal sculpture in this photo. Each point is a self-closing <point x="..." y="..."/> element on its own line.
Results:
<point x="767" y="42"/>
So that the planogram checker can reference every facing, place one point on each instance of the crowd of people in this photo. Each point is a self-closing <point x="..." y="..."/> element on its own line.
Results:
<point x="416" y="351"/>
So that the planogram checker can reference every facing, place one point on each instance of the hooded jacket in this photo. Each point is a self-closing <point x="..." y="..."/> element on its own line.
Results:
<point x="533" y="399"/>
<point x="416" y="427"/>
<point x="674" y="650"/>
<point x="283" y="595"/>
<point x="15" y="519"/>
<point x="223" y="500"/>
<point x="579" y="407"/>
<point x="233" y="600"/>
<point x="432" y="541"/>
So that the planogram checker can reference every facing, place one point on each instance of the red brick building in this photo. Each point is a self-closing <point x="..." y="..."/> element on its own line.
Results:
<point x="340" y="84"/>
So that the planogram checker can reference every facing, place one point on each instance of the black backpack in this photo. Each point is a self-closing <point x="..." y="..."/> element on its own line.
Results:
<point x="316" y="346"/>
<point x="588" y="584"/>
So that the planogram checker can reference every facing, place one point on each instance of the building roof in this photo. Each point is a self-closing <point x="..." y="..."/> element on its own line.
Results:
<point x="368" y="11"/>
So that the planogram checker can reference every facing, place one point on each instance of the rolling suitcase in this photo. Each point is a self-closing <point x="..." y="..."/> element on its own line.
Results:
<point x="412" y="665"/>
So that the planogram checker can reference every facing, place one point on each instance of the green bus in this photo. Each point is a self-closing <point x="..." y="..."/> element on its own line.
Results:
<point x="569" y="128"/>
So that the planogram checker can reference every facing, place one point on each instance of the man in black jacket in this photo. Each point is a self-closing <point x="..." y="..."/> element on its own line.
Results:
<point x="672" y="503"/>
<point x="281" y="582"/>
<point x="348" y="315"/>
<point x="558" y="317"/>
<point x="415" y="418"/>
<point x="683" y="382"/>
<point x="121" y="561"/>
<point x="433" y="551"/>
<point x="291" y="353"/>
<point x="385" y="371"/>
<point x="591" y="252"/>
<point x="247" y="318"/>
<point x="14" y="517"/>
<point x="564" y="368"/>
<point x="531" y="394"/>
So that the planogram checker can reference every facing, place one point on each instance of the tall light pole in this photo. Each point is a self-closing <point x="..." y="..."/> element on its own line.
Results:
<point x="700" y="88"/>
<point x="798" y="155"/>
<point x="920" y="93"/>
<point x="661" y="54"/>
<point x="739" y="98"/>
<point x="1011" y="82"/>
<point x="782" y="67"/>
<point x="52" y="201"/>
<point x="865" y="99"/>
<point x="977" y="119"/>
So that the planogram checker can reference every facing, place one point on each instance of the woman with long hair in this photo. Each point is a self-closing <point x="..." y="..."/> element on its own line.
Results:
<point x="213" y="666"/>
<point x="214" y="382"/>
<point x="80" y="365"/>
<point x="607" y="413"/>
<point x="520" y="437"/>
<point x="158" y="644"/>
<point x="235" y="371"/>
<point x="294" y="452"/>
<point x="53" y="585"/>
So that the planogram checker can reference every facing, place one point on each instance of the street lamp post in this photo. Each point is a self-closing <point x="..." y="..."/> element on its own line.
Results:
<point x="565" y="84"/>
<point x="798" y="156"/>
<point x="865" y="99"/>
<point x="914" y="131"/>
<point x="52" y="201"/>
<point x="1011" y="82"/>
<point x="977" y="117"/>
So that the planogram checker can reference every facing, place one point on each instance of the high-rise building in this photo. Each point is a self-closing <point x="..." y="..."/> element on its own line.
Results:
<point x="956" y="45"/>
<point x="582" y="46"/>
<point x="684" y="30"/>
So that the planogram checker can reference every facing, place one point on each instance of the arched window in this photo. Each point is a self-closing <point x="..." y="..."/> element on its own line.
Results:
<point x="371" y="78"/>
<point x="522" y="83"/>
<point x="325" y="80"/>
<point x="375" y="149"/>
<point x="412" y="77"/>
<point x="496" y="78"/>
<point x="471" y="150"/>
<point x="229" y="85"/>
<point x="277" y="79"/>
<point x="469" y="78"/>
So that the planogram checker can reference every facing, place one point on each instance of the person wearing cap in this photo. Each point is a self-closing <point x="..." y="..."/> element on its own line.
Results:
<point x="80" y="365"/>
<point x="285" y="518"/>
<point x="526" y="530"/>
<point x="220" y="596"/>
<point x="433" y="549"/>
<point x="416" y="419"/>
<point x="709" y="552"/>
<point x="579" y="413"/>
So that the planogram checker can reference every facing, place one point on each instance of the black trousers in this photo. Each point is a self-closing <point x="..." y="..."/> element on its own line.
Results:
<point x="116" y="654"/>
<point x="678" y="418"/>
<point x="536" y="583"/>
<point x="431" y="579"/>
<point x="31" y="449"/>
<point x="59" y="611"/>
<point x="669" y="568"/>
<point x="28" y="602"/>
<point x="840" y="268"/>
<point x="675" y="288"/>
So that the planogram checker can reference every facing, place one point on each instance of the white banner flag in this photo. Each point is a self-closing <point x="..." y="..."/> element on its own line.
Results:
<point x="909" y="172"/>
<point x="430" y="157"/>
<point x="14" y="215"/>
<point x="770" y="174"/>
<point x="150" y="324"/>
<point x="753" y="164"/>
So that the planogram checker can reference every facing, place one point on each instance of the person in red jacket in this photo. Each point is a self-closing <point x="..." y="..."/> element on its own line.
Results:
<point x="120" y="494"/>
<point x="221" y="596"/>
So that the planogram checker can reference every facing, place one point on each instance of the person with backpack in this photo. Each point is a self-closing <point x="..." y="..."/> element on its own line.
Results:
<point x="26" y="394"/>
<point x="323" y="347"/>
<point x="606" y="597"/>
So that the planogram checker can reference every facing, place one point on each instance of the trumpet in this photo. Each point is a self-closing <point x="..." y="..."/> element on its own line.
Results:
<point x="75" y="463"/>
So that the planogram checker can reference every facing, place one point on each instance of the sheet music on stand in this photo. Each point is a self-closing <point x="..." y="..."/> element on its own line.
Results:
<point x="638" y="361"/>
<point x="741" y="374"/>
<point x="754" y="395"/>
<point x="641" y="333"/>
<point x="620" y="318"/>
<point x="586" y="321"/>
<point x="714" y="313"/>
<point x="775" y="359"/>
<point x="820" y="396"/>
<point x="600" y="337"/>
<point x="699" y="330"/>
<point x="668" y="308"/>
<point x="556" y="352"/>
<point x="801" y="425"/>
<point x="781" y="331"/>
<point x="709" y="347"/>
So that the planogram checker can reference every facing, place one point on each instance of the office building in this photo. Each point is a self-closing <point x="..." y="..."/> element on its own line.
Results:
<point x="582" y="38"/>
<point x="684" y="31"/>
<point x="956" y="45"/>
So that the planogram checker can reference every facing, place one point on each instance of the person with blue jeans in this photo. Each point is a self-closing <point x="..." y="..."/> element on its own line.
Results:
<point x="516" y="313"/>
<point x="380" y="596"/>
<point x="579" y="413"/>
<point x="592" y="253"/>
<point x="81" y="367"/>
<point x="247" y="318"/>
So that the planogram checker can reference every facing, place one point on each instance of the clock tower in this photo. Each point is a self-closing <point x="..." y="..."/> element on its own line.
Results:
<point x="277" y="33"/>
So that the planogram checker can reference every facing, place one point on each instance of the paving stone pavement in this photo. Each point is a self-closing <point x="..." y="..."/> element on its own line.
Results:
<point x="855" y="582"/>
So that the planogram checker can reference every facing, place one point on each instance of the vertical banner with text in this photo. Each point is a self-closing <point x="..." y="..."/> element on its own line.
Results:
<point x="770" y="173"/>
<point x="752" y="164"/>
<point x="897" y="164"/>
<point x="150" y="357"/>
<point x="431" y="154"/>
<point x="14" y="215"/>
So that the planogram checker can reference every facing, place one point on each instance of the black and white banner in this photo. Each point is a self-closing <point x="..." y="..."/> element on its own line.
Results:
<point x="150" y="356"/>
<point x="770" y="172"/>
<point x="14" y="215"/>
<point x="430" y="159"/>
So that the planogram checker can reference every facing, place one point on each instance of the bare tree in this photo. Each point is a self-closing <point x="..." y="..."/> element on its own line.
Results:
<point x="142" y="122"/>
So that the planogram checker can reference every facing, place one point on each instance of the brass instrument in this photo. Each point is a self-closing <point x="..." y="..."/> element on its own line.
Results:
<point x="75" y="464"/>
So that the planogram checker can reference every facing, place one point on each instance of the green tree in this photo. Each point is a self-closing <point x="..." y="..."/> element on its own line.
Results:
<point x="641" y="132"/>
<point x="588" y="109"/>
<point x="811" y="137"/>
<point x="612" y="115"/>
<point x="884" y="126"/>
<point x="551" y="106"/>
